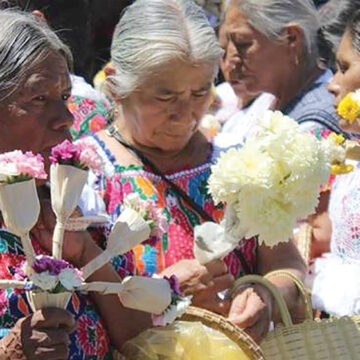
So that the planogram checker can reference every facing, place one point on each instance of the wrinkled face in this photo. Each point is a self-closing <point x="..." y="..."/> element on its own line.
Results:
<point x="165" y="112"/>
<point x="251" y="60"/>
<point x="347" y="77"/>
<point x="35" y="117"/>
<point x="226" y="65"/>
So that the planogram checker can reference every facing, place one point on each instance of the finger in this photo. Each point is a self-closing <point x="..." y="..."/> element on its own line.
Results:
<point x="217" y="268"/>
<point x="238" y="304"/>
<point x="253" y="310"/>
<point x="48" y="338"/>
<point x="53" y="318"/>
<point x="56" y="352"/>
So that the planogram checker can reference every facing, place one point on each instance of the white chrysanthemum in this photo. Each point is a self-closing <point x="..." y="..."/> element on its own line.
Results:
<point x="70" y="279"/>
<point x="276" y="122"/>
<point x="273" y="180"/>
<point x="332" y="150"/>
<point x="8" y="169"/>
<point x="44" y="280"/>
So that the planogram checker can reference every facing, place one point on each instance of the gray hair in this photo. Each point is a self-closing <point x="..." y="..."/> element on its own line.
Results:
<point x="153" y="32"/>
<point x="24" y="41"/>
<point x="270" y="17"/>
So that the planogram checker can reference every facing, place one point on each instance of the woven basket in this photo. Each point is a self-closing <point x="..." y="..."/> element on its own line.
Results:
<point x="335" y="339"/>
<point x="218" y="322"/>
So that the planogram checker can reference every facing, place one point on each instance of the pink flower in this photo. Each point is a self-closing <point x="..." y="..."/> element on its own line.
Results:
<point x="65" y="153"/>
<point x="88" y="154"/>
<point x="53" y="266"/>
<point x="81" y="154"/>
<point x="18" y="164"/>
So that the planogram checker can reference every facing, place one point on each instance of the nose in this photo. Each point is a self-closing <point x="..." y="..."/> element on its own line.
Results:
<point x="182" y="110"/>
<point x="334" y="86"/>
<point x="231" y="62"/>
<point x="62" y="117"/>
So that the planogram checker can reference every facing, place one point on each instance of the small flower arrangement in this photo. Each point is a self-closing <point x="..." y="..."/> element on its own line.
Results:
<point x="18" y="196"/>
<point x="16" y="166"/>
<point x="349" y="107"/>
<point x="82" y="155"/>
<point x="148" y="210"/>
<point x="54" y="275"/>
<point x="179" y="304"/>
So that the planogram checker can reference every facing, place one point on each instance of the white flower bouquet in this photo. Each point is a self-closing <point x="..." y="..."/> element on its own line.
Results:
<point x="267" y="185"/>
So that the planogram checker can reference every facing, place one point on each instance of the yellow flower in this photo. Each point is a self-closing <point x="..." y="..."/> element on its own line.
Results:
<point x="340" y="169"/>
<point x="338" y="138"/>
<point x="349" y="108"/>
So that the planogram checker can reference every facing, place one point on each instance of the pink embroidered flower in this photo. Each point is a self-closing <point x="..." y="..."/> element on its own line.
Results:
<point x="97" y="123"/>
<point x="17" y="166"/>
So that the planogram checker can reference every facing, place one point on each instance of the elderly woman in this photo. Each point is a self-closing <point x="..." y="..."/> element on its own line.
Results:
<point x="273" y="48"/>
<point x="34" y="88"/>
<point x="166" y="57"/>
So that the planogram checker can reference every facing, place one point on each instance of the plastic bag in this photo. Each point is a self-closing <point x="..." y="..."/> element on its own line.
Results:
<point x="183" y="341"/>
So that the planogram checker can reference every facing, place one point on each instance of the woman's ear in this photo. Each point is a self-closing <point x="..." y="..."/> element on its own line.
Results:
<point x="294" y="36"/>
<point x="40" y="16"/>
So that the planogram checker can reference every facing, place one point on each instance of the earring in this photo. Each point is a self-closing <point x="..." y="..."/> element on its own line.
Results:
<point x="296" y="60"/>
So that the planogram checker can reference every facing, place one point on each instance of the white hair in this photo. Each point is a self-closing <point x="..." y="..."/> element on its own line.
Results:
<point x="24" y="41"/>
<point x="152" y="33"/>
<point x="270" y="17"/>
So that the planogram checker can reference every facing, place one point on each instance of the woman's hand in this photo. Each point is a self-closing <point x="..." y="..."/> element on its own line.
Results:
<point x="204" y="282"/>
<point x="251" y="310"/>
<point x="44" y="335"/>
<point x="354" y="127"/>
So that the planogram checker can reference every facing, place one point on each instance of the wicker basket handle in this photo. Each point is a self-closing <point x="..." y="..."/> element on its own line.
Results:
<point x="284" y="312"/>
<point x="300" y="286"/>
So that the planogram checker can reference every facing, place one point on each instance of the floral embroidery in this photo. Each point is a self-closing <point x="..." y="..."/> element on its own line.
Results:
<point x="90" y="116"/>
